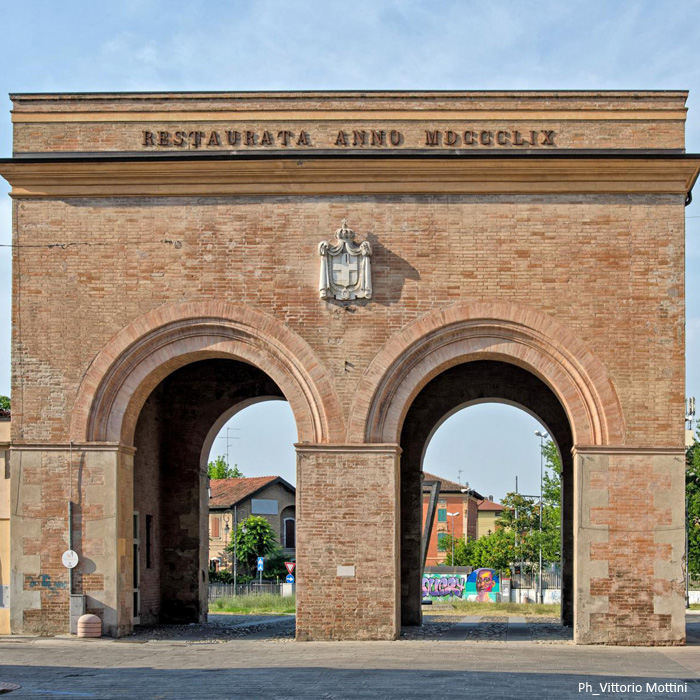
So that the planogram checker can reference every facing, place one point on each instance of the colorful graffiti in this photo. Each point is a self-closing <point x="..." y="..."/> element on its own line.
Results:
<point x="481" y="586"/>
<point x="442" y="587"/>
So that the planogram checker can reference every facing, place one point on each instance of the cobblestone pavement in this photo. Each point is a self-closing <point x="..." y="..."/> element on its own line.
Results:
<point x="486" y="628"/>
<point x="548" y="630"/>
<point x="220" y="628"/>
<point x="194" y="664"/>
<point x="273" y="627"/>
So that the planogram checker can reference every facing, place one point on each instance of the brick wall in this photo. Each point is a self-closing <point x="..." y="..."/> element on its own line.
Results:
<point x="347" y="543"/>
<point x="262" y="252"/>
<point x="603" y="269"/>
<point x="4" y="526"/>
<point x="579" y="120"/>
<point x="147" y="502"/>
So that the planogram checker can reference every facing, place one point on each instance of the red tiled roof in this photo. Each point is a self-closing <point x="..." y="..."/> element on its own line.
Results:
<point x="227" y="492"/>
<point x="490" y="505"/>
<point x="445" y="484"/>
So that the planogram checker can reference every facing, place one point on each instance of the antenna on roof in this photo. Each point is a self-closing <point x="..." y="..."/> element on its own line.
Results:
<point x="459" y="476"/>
<point x="228" y="437"/>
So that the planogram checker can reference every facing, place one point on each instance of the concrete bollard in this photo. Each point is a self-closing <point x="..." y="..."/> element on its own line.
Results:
<point x="89" y="626"/>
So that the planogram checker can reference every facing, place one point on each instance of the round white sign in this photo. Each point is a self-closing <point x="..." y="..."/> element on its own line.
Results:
<point x="69" y="559"/>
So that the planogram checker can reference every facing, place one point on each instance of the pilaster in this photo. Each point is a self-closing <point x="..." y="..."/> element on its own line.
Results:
<point x="347" y="542"/>
<point x="629" y="545"/>
<point x="97" y="479"/>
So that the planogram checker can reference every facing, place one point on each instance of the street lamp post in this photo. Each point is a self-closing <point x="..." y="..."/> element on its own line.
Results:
<point x="235" y="541"/>
<point x="452" y="515"/>
<point x="227" y="529"/>
<point x="467" y="491"/>
<point x="542" y="436"/>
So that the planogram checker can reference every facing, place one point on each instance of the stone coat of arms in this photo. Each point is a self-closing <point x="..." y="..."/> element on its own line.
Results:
<point x="346" y="273"/>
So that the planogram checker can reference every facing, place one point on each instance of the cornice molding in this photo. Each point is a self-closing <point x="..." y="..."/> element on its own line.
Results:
<point x="75" y="447"/>
<point x="365" y="114"/>
<point x="336" y="176"/>
<point x="627" y="450"/>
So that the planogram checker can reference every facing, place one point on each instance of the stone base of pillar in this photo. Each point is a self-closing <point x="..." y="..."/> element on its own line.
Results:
<point x="629" y="546"/>
<point x="102" y="496"/>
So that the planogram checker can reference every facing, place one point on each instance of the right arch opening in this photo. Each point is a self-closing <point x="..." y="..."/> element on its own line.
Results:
<point x="462" y="385"/>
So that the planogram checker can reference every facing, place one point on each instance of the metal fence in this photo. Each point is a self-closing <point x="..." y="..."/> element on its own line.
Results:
<point x="228" y="590"/>
<point x="550" y="579"/>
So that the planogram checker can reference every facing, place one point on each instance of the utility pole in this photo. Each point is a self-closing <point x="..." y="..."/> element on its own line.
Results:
<point x="542" y="436"/>
<point x="452" y="515"/>
<point x="228" y="439"/>
<point x="235" y="542"/>
<point x="520" y="566"/>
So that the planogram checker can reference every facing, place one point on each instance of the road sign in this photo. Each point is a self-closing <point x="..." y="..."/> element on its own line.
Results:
<point x="69" y="559"/>
<point x="290" y="566"/>
<point x="290" y="578"/>
<point x="261" y="563"/>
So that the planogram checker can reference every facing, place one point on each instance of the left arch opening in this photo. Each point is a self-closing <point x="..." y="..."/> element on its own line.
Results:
<point x="171" y="528"/>
<point x="255" y="437"/>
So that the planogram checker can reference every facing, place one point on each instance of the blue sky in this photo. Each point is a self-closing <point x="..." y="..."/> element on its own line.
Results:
<point x="380" y="44"/>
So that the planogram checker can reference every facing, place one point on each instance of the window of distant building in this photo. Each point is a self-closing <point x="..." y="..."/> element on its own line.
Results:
<point x="264" y="506"/>
<point x="289" y="533"/>
<point x="215" y="527"/>
<point x="442" y="543"/>
<point x="442" y="515"/>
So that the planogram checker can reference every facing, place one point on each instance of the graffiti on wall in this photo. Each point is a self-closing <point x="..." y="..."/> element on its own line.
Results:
<point x="444" y="587"/>
<point x="482" y="586"/>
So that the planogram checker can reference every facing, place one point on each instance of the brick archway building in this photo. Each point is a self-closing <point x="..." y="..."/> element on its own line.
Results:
<point x="525" y="247"/>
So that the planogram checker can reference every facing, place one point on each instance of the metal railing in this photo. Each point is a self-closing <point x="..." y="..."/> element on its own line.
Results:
<point x="228" y="590"/>
<point x="550" y="579"/>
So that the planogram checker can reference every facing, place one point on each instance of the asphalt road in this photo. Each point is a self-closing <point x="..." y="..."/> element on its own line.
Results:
<point x="267" y="666"/>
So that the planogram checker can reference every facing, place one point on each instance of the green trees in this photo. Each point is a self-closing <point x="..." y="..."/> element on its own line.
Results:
<point x="518" y="539"/>
<point x="256" y="538"/>
<point x="494" y="551"/>
<point x="692" y="493"/>
<point x="521" y="518"/>
<point x="551" y="504"/>
<point x="219" y="469"/>
<point x="4" y="403"/>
